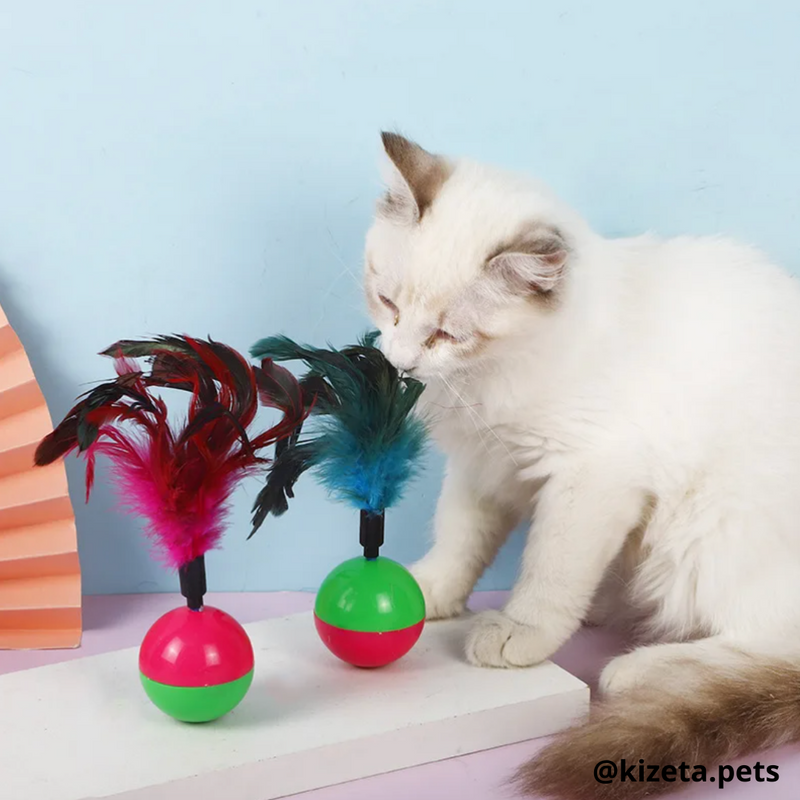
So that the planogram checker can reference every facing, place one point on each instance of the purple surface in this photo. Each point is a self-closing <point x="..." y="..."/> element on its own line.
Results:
<point x="115" y="622"/>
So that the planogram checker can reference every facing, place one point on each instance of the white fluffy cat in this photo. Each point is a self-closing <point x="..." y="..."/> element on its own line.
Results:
<point x="639" y="400"/>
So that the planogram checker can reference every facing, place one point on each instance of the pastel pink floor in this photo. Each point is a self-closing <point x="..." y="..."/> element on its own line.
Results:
<point x="114" y="622"/>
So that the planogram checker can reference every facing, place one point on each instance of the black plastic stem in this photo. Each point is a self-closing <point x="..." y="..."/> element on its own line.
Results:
<point x="193" y="582"/>
<point x="371" y="533"/>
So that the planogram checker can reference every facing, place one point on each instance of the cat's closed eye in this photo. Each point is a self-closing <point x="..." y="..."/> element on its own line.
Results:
<point x="391" y="306"/>
<point x="440" y="335"/>
<point x="388" y="303"/>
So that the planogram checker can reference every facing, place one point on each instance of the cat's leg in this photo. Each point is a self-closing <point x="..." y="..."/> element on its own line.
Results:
<point x="582" y="520"/>
<point x="601" y="609"/>
<point x="468" y="531"/>
<point x="610" y="604"/>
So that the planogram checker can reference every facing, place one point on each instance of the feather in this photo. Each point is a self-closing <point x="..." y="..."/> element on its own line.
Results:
<point x="366" y="443"/>
<point x="178" y="478"/>
<point x="277" y="386"/>
<point x="286" y="469"/>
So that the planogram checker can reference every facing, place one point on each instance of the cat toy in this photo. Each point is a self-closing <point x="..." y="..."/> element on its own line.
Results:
<point x="195" y="662"/>
<point x="365" y="447"/>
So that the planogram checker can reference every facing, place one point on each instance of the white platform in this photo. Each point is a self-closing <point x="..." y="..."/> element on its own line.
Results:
<point x="85" y="729"/>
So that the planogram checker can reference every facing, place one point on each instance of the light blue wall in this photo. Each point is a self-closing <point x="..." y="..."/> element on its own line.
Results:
<point x="209" y="168"/>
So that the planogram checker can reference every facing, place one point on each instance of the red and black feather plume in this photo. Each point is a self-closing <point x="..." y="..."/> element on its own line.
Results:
<point x="178" y="477"/>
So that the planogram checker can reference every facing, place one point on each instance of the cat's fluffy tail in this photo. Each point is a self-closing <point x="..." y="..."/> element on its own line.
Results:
<point x="700" y="715"/>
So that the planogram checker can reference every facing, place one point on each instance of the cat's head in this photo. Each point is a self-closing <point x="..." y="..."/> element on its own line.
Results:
<point x="459" y="258"/>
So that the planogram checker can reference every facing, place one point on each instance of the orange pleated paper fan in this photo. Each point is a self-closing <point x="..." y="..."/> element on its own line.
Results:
<point x="40" y="577"/>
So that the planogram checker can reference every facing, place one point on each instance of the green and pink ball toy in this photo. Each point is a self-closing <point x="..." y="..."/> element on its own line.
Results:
<point x="369" y="611"/>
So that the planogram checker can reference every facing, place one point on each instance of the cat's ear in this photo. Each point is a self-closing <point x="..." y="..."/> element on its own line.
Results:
<point x="414" y="178"/>
<point x="533" y="264"/>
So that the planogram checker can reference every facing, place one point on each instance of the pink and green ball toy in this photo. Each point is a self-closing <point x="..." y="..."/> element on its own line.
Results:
<point x="196" y="662"/>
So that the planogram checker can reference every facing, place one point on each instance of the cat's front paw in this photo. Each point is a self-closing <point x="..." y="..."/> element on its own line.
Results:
<point x="495" y="640"/>
<point x="441" y="601"/>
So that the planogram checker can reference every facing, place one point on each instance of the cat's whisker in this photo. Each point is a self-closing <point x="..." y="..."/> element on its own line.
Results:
<point x="334" y="248"/>
<point x="359" y="310"/>
<point x="479" y="417"/>
<point x="476" y="417"/>
<point x="329" y="292"/>
<point x="464" y="405"/>
<point x="454" y="408"/>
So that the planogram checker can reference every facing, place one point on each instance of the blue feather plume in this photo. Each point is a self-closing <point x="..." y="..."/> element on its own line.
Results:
<point x="365" y="444"/>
